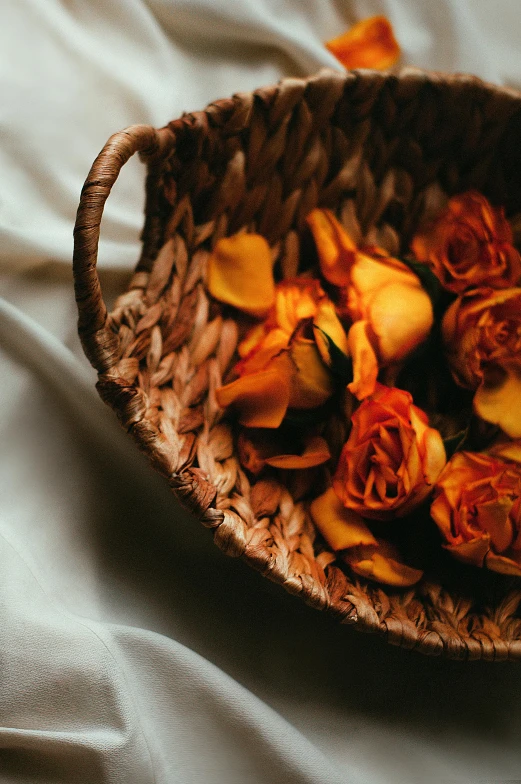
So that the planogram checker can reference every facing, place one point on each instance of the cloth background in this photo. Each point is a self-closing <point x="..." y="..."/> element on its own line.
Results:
<point x="131" y="649"/>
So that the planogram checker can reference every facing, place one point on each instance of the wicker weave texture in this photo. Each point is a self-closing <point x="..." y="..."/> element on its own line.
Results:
<point x="380" y="150"/>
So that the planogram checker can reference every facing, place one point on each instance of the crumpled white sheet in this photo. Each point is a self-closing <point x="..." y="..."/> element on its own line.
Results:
<point x="131" y="649"/>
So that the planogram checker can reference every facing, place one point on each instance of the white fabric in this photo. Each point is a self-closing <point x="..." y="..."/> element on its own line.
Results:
<point x="131" y="649"/>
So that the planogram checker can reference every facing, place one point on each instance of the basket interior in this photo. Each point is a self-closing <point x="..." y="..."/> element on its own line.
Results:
<point x="381" y="151"/>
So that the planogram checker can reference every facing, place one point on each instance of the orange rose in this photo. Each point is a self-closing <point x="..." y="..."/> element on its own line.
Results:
<point x="482" y="335"/>
<point x="294" y="301"/>
<point x="469" y="244"/>
<point x="281" y="367"/>
<point x="392" y="457"/>
<point x="378" y="291"/>
<point x="477" y="508"/>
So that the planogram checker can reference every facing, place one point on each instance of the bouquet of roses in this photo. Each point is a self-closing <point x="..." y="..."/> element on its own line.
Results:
<point x="384" y="385"/>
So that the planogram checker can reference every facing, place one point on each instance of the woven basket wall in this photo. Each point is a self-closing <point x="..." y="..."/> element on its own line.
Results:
<point x="376" y="148"/>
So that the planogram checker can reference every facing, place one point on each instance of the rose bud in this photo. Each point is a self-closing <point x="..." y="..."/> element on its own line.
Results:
<point x="477" y="508"/>
<point x="469" y="244"/>
<point x="482" y="335"/>
<point x="392" y="457"/>
<point x="378" y="291"/>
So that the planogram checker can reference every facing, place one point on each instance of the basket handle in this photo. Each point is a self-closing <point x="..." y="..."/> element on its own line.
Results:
<point x="100" y="344"/>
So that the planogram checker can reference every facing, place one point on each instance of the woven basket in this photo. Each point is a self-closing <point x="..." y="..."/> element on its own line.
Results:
<point x="375" y="148"/>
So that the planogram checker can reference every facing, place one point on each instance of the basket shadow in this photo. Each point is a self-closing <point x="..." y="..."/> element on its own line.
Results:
<point x="283" y="651"/>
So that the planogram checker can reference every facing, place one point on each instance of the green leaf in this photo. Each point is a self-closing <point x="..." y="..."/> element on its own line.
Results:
<point x="456" y="442"/>
<point x="428" y="279"/>
<point x="340" y="364"/>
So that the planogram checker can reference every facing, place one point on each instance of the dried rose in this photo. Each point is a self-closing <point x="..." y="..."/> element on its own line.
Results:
<point x="469" y="244"/>
<point x="477" y="508"/>
<point x="392" y="457"/>
<point x="378" y="291"/>
<point x="482" y="335"/>
<point x="295" y="301"/>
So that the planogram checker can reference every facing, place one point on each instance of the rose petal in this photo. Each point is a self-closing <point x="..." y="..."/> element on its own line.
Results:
<point x="311" y="381"/>
<point x="499" y="563"/>
<point x="493" y="517"/>
<point x="441" y="513"/>
<point x="296" y="300"/>
<point x="336" y="250"/>
<point x="401" y="316"/>
<point x="326" y="324"/>
<point x="340" y="527"/>
<point x="315" y="452"/>
<point x="240" y="273"/>
<point x="507" y="450"/>
<point x="500" y="404"/>
<point x="472" y="552"/>
<point x="261" y="398"/>
<point x="382" y="564"/>
<point x="252" y="339"/>
<point x="368" y="44"/>
<point x="272" y="344"/>
<point x="434" y="455"/>
<point x="251" y="454"/>
<point x="365" y="362"/>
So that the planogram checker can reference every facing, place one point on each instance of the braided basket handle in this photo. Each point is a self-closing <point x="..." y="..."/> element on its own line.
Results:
<point x="101" y="345"/>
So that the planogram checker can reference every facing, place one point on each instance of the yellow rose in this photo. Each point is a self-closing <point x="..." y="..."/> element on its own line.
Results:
<point x="390" y="311"/>
<point x="392" y="457"/>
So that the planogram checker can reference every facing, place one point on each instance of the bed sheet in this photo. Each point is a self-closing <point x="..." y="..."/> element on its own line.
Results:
<point x="131" y="649"/>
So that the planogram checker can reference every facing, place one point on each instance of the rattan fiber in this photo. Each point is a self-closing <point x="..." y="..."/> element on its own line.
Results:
<point x="378" y="149"/>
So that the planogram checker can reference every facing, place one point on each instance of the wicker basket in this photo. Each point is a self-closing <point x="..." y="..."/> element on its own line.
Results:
<point x="375" y="148"/>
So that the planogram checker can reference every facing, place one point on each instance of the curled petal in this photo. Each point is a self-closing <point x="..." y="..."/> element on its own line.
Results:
<point x="311" y="381"/>
<point x="471" y="552"/>
<point x="295" y="300"/>
<point x="341" y="528"/>
<point x="382" y="565"/>
<point x="266" y="349"/>
<point x="498" y="400"/>
<point x="401" y="316"/>
<point x="261" y="399"/>
<point x="368" y="44"/>
<point x="502" y="564"/>
<point x="315" y="453"/>
<point x="336" y="250"/>
<point x="507" y="450"/>
<point x="252" y="339"/>
<point x="251" y="454"/>
<point x="494" y="517"/>
<point x="326" y="325"/>
<point x="240" y="273"/>
<point x="365" y="362"/>
<point x="260" y="447"/>
<point x="432" y="448"/>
